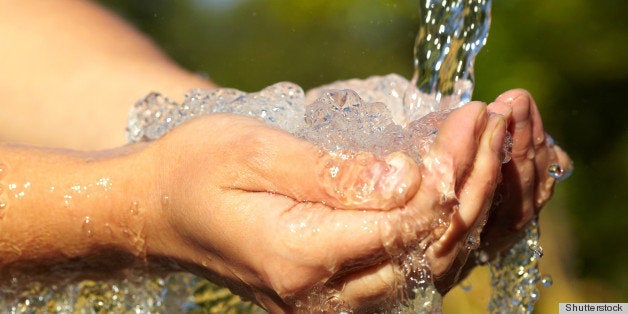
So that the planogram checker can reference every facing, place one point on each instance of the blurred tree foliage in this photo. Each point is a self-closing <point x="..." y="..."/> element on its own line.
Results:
<point x="571" y="55"/>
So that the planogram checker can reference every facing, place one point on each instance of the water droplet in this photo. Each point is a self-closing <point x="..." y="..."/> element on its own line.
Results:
<point x="3" y="170"/>
<point x="547" y="281"/>
<point x="76" y="188"/>
<point x="481" y="257"/>
<point x="87" y="226"/>
<point x="537" y="249"/>
<point x="555" y="171"/>
<point x="298" y="304"/>
<point x="105" y="183"/>
<point x="473" y="242"/>
<point x="67" y="200"/>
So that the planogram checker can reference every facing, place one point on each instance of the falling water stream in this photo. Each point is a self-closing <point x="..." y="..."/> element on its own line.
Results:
<point x="381" y="114"/>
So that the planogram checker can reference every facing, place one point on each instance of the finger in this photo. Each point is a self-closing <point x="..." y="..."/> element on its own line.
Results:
<point x="520" y="173"/>
<point x="479" y="187"/>
<point x="370" y="289"/>
<point x="454" y="148"/>
<point x="537" y="123"/>
<point x="553" y="165"/>
<point x="475" y="197"/>
<point x="500" y="108"/>
<point x="267" y="159"/>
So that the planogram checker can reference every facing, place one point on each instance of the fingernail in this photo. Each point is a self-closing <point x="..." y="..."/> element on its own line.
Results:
<point x="480" y="119"/>
<point x="500" y="107"/>
<point x="498" y="123"/>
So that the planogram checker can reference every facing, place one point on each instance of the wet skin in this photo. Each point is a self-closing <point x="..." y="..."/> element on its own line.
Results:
<point x="225" y="205"/>
<point x="252" y="225"/>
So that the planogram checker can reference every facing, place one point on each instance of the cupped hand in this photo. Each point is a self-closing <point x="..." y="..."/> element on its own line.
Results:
<point x="527" y="184"/>
<point x="276" y="218"/>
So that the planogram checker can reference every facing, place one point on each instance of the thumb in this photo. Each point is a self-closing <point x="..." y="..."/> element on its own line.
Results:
<point x="278" y="162"/>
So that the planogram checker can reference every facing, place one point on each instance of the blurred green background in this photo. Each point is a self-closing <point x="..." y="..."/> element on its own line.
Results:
<point x="572" y="55"/>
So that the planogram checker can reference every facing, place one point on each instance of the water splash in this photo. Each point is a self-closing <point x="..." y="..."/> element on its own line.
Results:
<point x="515" y="274"/>
<point x="135" y="294"/>
<point x="451" y="33"/>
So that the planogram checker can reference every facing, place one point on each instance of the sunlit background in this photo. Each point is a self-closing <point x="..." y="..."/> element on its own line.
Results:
<point x="572" y="55"/>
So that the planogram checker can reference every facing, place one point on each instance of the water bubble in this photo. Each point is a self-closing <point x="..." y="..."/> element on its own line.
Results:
<point x="298" y="304"/>
<point x="19" y="194"/>
<point x="67" y="199"/>
<point x="3" y="170"/>
<point x="547" y="281"/>
<point x="537" y="249"/>
<point x="481" y="257"/>
<point x="555" y="171"/>
<point x="473" y="242"/>
<point x="76" y="188"/>
<point x="105" y="183"/>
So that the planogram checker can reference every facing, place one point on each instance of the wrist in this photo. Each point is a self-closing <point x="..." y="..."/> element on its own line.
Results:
<point x="176" y="236"/>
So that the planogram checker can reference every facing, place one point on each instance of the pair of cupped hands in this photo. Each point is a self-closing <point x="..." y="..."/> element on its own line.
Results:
<point x="275" y="218"/>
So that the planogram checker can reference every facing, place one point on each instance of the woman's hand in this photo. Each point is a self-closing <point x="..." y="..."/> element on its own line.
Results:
<point x="274" y="218"/>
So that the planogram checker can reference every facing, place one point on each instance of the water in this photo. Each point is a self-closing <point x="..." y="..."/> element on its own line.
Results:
<point x="515" y="275"/>
<point x="555" y="171"/>
<point x="380" y="114"/>
<point x="451" y="33"/>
